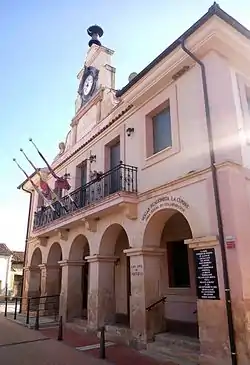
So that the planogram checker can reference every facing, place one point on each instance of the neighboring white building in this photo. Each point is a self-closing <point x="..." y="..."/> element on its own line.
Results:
<point x="5" y="268"/>
<point x="11" y="271"/>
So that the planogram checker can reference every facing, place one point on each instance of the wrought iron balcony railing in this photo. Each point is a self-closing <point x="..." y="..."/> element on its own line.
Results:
<point x="121" y="178"/>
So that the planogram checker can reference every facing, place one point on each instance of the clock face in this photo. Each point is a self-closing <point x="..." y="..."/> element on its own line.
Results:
<point x="88" y="83"/>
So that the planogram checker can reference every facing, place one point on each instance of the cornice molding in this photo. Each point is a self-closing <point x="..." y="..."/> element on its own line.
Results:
<point x="185" y="180"/>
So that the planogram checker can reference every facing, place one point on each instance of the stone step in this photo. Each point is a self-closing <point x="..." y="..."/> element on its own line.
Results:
<point x="44" y="325"/>
<point x="79" y="325"/>
<point x="172" y="356"/>
<point x="169" y="340"/>
<point x="173" y="350"/>
<point x="179" y="349"/>
<point x="118" y="334"/>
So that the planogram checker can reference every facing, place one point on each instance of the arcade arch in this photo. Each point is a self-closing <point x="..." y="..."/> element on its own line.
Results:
<point x="113" y="243"/>
<point x="79" y="275"/>
<point x="168" y="229"/>
<point x="35" y="274"/>
<point x="54" y="270"/>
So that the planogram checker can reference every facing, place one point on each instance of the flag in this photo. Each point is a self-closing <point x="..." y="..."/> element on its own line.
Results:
<point x="39" y="192"/>
<point x="61" y="182"/>
<point x="47" y="191"/>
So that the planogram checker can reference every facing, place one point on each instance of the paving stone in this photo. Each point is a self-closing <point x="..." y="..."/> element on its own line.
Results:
<point x="20" y="345"/>
<point x="115" y="354"/>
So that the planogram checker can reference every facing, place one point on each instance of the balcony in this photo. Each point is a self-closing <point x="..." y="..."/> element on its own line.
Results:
<point x="120" y="182"/>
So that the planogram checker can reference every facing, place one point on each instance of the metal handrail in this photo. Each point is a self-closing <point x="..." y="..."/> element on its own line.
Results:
<point x="37" y="309"/>
<point x="93" y="191"/>
<point x="163" y="299"/>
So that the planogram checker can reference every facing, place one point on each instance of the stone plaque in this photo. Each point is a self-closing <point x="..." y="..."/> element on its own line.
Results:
<point x="206" y="274"/>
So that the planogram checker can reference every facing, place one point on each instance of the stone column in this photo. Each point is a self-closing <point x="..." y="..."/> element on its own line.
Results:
<point x="32" y="281"/>
<point x="212" y="317"/>
<point x="50" y="279"/>
<point x="101" y="298"/>
<point x="146" y="289"/>
<point x="71" y="289"/>
<point x="31" y="284"/>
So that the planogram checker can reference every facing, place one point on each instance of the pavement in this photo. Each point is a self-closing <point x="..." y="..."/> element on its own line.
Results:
<point x="88" y="344"/>
<point x="19" y="344"/>
<point x="21" y="318"/>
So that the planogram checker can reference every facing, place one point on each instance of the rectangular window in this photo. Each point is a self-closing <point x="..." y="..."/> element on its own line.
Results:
<point x="81" y="175"/>
<point x="114" y="163"/>
<point x="248" y="98"/>
<point x="162" y="137"/>
<point x="178" y="265"/>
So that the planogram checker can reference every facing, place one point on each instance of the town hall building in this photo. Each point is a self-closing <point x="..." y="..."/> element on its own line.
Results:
<point x="155" y="234"/>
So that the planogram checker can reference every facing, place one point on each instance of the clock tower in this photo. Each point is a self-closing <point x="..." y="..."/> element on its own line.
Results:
<point x="96" y="91"/>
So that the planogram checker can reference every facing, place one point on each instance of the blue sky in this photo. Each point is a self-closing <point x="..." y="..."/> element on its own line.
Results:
<point x="43" y="45"/>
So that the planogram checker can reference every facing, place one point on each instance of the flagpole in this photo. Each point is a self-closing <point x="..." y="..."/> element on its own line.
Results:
<point x="51" y="170"/>
<point x="34" y="186"/>
<point x="39" y="173"/>
<point x="44" y="159"/>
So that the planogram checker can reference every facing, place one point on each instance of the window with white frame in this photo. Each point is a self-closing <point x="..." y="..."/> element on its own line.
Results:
<point x="158" y="129"/>
<point x="161" y="125"/>
<point x="248" y="98"/>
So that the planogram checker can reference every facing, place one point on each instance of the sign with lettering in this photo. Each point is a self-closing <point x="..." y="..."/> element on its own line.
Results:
<point x="168" y="201"/>
<point x="136" y="270"/>
<point x="206" y="274"/>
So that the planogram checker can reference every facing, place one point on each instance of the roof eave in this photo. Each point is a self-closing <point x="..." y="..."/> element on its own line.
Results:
<point x="213" y="10"/>
<point x="21" y="186"/>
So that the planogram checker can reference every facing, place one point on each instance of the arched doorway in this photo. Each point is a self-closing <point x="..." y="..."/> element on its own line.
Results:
<point x="169" y="229"/>
<point x="78" y="251"/>
<point x="113" y="243"/>
<point x="54" y="271"/>
<point x="34" y="284"/>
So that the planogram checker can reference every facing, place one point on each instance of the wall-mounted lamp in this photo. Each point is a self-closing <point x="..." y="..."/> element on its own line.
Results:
<point x="92" y="158"/>
<point x="129" y="131"/>
<point x="66" y="175"/>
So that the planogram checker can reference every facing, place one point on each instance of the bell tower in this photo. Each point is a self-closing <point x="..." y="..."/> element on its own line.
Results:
<point x="96" y="90"/>
<point x="97" y="75"/>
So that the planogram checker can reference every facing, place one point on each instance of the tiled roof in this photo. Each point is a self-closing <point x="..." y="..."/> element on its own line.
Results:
<point x="4" y="250"/>
<point x="18" y="256"/>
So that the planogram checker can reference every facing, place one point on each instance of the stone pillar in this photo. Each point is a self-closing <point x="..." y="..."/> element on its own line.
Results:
<point x="50" y="279"/>
<point x="32" y="281"/>
<point x="71" y="289"/>
<point x="212" y="316"/>
<point x="31" y="284"/>
<point x="101" y="298"/>
<point x="146" y="289"/>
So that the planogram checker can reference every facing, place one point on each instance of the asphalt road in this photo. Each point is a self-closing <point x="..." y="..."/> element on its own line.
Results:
<point x="20" y="345"/>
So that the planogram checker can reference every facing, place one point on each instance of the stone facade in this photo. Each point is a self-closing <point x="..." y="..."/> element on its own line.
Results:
<point x="113" y="254"/>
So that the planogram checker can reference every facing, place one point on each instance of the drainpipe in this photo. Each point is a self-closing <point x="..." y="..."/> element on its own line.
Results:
<point x="217" y="207"/>
<point x="26" y="238"/>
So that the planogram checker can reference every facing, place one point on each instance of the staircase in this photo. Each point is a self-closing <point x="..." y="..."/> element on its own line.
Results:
<point x="181" y="350"/>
